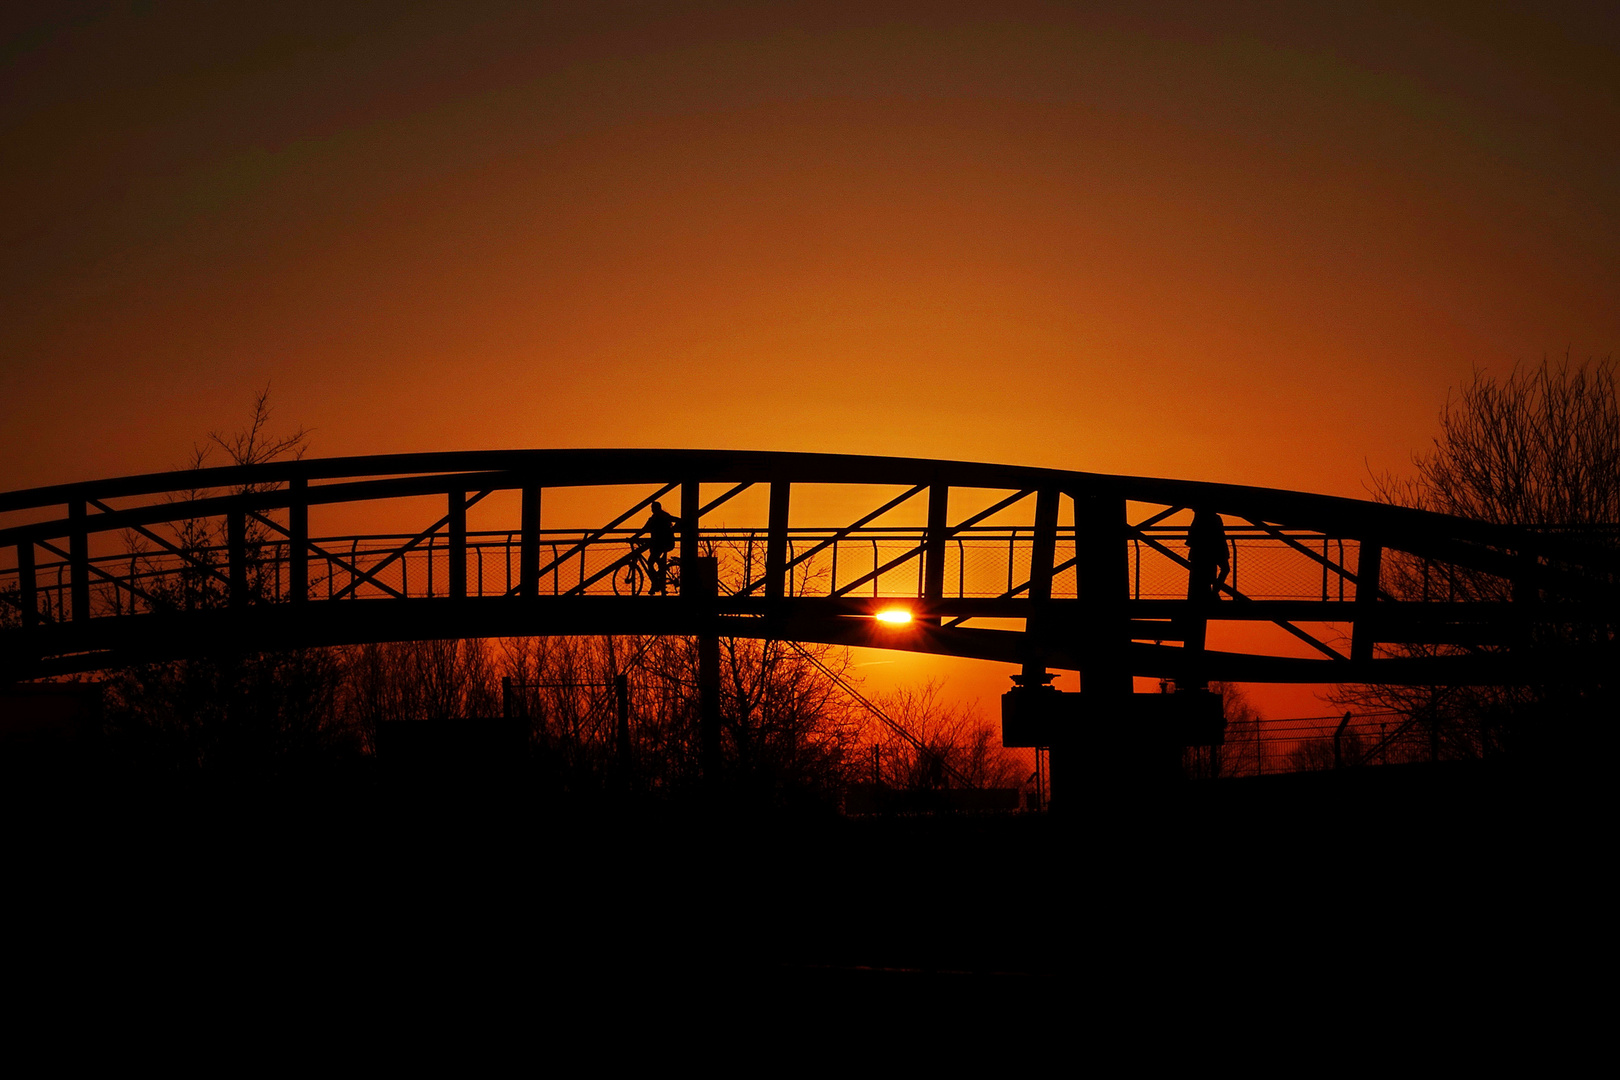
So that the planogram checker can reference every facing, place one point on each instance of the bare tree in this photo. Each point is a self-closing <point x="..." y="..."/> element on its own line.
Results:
<point x="946" y="739"/>
<point x="249" y="711"/>
<point x="254" y="444"/>
<point x="787" y="731"/>
<point x="1539" y="448"/>
<point x="420" y="680"/>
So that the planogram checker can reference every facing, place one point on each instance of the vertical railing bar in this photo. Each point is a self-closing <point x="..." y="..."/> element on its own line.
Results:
<point x="1137" y="544"/>
<point x="1341" y="563"/>
<point x="27" y="584"/>
<point x="1324" y="567"/>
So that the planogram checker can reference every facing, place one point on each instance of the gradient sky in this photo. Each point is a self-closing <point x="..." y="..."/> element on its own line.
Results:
<point x="1245" y="242"/>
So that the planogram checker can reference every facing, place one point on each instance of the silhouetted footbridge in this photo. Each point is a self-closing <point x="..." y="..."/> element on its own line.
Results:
<point x="1036" y="567"/>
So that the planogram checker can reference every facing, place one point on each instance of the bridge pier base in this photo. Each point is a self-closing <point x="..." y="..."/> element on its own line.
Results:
<point x="1107" y="747"/>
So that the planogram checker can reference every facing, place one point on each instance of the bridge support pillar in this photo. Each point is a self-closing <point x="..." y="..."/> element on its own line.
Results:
<point x="1102" y="752"/>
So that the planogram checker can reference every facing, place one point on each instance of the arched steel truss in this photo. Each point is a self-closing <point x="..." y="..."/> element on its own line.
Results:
<point x="1030" y="566"/>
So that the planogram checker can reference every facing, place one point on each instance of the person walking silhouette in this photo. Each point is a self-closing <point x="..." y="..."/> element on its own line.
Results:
<point x="1206" y="550"/>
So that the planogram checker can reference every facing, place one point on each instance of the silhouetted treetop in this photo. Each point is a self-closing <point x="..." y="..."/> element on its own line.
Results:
<point x="1539" y="447"/>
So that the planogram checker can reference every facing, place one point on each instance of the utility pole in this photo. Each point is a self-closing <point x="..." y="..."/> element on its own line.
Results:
<point x="621" y="731"/>
<point x="700" y="587"/>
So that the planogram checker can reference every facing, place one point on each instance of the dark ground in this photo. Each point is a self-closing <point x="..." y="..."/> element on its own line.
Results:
<point x="1421" y="898"/>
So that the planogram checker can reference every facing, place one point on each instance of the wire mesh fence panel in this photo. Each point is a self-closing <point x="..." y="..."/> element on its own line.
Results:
<point x="903" y="579"/>
<point x="1268" y="569"/>
<point x="812" y="574"/>
<point x="1066" y="582"/>
<point x="980" y="568"/>
<point x="603" y="566"/>
<point x="1412" y="578"/>
<point x="1155" y="575"/>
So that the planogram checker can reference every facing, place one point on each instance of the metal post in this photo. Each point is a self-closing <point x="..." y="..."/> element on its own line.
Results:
<point x="298" y="540"/>
<point x="27" y="587"/>
<point x="79" y="558"/>
<point x="621" y="731"/>
<point x="236" y="553"/>
<point x="702" y="591"/>
<point x="776" y="546"/>
<point x="1042" y="551"/>
<point x="529" y="543"/>
<point x="1367" y="571"/>
<point x="691" y="504"/>
<point x="458" y="545"/>
<point x="934" y="549"/>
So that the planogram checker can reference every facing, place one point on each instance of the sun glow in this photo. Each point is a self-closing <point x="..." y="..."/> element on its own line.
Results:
<point x="894" y="615"/>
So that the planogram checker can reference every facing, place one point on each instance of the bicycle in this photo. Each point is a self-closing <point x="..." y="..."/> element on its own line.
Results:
<point x="638" y="575"/>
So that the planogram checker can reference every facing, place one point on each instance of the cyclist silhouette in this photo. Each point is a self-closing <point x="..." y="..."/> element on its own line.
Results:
<point x="660" y="530"/>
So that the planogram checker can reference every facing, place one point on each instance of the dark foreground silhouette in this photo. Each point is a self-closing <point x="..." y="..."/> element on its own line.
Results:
<point x="399" y="891"/>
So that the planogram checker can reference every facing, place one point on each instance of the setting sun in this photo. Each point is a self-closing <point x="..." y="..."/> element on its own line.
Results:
<point x="895" y="615"/>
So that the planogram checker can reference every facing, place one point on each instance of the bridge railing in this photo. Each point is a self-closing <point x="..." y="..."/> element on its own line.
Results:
<point x="868" y="562"/>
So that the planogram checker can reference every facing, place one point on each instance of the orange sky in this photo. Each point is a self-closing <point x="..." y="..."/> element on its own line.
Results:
<point x="1253" y="244"/>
